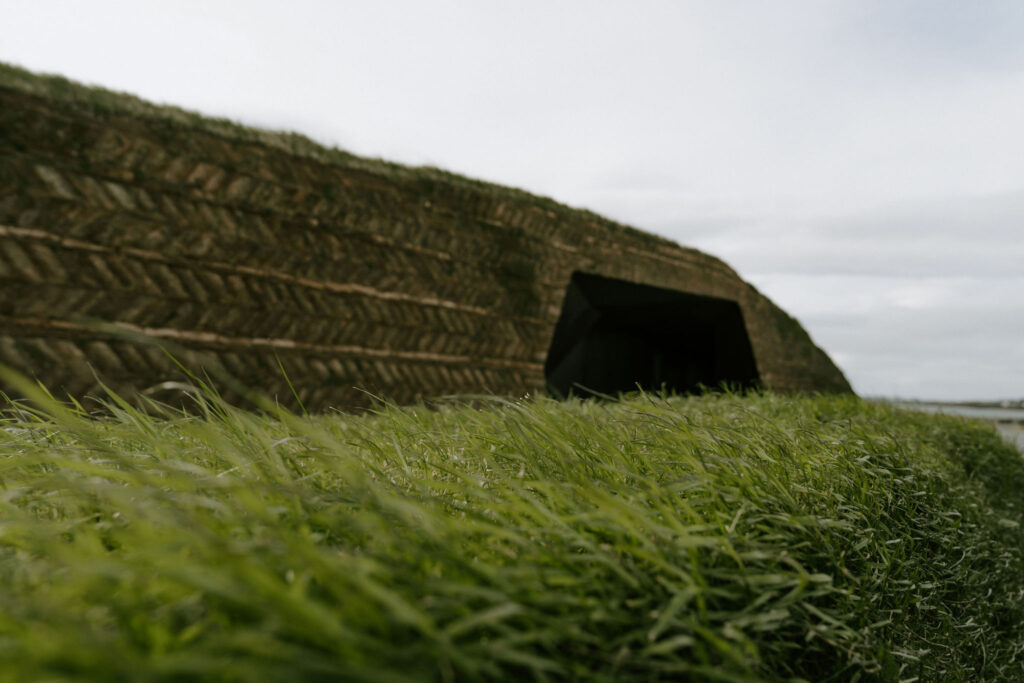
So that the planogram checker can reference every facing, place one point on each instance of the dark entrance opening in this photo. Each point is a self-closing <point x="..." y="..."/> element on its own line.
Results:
<point x="614" y="335"/>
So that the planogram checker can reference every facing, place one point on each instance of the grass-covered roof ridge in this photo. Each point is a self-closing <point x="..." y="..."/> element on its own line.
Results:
<point x="99" y="101"/>
<point x="720" y="538"/>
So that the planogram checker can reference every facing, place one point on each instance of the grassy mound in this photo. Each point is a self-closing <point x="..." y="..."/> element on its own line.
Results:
<point x="715" y="538"/>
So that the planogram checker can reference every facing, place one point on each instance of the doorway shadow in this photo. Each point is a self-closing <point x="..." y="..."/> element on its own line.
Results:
<point x="614" y="336"/>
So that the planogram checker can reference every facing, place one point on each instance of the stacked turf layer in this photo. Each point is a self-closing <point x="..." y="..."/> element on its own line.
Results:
<point x="715" y="538"/>
<point x="127" y="227"/>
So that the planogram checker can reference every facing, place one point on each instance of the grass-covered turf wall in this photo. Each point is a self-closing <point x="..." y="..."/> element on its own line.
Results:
<point x="713" y="538"/>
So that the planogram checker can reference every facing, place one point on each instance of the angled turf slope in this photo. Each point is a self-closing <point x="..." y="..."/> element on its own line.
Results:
<point x="716" y="538"/>
<point x="249" y="252"/>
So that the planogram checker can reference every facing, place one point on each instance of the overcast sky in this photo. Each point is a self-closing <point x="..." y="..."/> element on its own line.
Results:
<point x="860" y="162"/>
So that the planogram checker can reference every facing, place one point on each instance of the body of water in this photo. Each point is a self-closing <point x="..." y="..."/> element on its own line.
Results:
<point x="1009" y="421"/>
<point x="1013" y="433"/>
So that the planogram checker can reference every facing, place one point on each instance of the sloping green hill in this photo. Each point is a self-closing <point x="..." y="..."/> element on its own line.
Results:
<point x="717" y="538"/>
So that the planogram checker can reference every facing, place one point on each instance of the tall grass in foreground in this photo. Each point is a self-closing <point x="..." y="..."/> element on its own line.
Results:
<point x="715" y="538"/>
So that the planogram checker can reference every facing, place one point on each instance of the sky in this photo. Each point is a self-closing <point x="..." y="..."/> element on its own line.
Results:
<point x="860" y="162"/>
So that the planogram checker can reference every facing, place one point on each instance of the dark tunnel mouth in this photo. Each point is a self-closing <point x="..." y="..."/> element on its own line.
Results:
<point x="614" y="336"/>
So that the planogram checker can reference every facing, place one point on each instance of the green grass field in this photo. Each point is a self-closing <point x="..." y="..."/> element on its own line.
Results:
<point x="720" y="538"/>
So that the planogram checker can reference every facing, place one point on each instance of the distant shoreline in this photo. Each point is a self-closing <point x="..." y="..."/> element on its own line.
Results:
<point x="1007" y="416"/>
<point x="1003" y="412"/>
